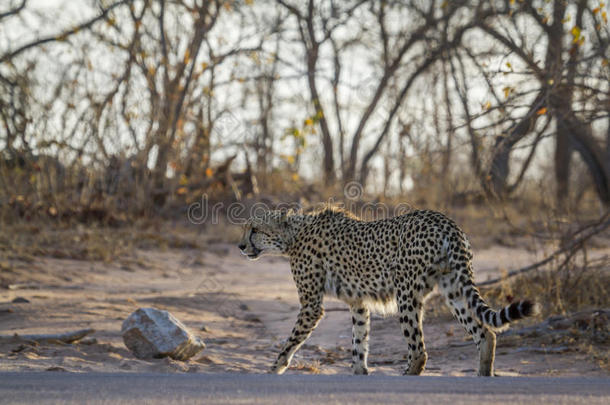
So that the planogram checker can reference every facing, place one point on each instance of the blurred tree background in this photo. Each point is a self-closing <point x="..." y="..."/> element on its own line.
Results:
<point x="119" y="108"/>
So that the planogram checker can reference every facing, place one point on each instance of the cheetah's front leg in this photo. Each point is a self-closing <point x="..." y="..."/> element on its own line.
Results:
<point x="361" y="321"/>
<point x="308" y="319"/>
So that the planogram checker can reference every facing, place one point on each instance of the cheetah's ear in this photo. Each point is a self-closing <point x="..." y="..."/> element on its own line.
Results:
<point x="283" y="219"/>
<point x="283" y="216"/>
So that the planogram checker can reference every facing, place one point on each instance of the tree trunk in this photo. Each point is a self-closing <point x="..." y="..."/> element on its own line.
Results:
<point x="327" y="141"/>
<point x="581" y="138"/>
<point x="563" y="155"/>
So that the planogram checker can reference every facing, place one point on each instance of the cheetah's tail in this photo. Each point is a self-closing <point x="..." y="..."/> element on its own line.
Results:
<point x="501" y="318"/>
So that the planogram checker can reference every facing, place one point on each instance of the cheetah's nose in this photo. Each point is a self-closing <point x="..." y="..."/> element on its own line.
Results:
<point x="241" y="246"/>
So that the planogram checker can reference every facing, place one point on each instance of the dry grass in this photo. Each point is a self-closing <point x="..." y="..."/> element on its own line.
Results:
<point x="558" y="293"/>
<point x="574" y="304"/>
<point x="311" y="367"/>
<point x="24" y="241"/>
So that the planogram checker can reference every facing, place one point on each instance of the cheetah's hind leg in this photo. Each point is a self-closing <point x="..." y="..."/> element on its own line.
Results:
<point x="484" y="338"/>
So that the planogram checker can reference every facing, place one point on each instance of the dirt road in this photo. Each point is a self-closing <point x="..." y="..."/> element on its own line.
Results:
<point x="243" y="310"/>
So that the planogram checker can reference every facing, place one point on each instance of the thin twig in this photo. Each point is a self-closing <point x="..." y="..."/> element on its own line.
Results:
<point x="67" y="337"/>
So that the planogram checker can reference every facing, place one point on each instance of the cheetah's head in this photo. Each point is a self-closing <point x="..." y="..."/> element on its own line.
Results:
<point x="266" y="234"/>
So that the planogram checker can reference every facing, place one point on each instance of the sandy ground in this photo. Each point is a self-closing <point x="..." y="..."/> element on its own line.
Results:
<point x="243" y="310"/>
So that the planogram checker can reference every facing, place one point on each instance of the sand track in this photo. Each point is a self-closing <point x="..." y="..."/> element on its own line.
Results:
<point x="242" y="309"/>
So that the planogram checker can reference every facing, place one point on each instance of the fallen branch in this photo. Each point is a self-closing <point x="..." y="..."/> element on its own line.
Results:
<point x="585" y="234"/>
<point x="562" y="324"/>
<point x="68" y="337"/>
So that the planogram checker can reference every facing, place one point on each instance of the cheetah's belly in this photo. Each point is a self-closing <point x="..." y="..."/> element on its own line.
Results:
<point x="377" y="295"/>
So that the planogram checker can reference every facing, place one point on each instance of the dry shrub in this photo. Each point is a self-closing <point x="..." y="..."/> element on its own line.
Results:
<point x="558" y="292"/>
<point x="22" y="241"/>
<point x="574" y="314"/>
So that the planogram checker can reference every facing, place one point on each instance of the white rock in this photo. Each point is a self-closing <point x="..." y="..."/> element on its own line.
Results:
<point x="153" y="333"/>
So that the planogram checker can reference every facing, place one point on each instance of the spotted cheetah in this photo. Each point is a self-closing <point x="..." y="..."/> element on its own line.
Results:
<point x="389" y="265"/>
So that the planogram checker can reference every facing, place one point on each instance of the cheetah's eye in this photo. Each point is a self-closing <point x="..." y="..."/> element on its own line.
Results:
<point x="259" y="232"/>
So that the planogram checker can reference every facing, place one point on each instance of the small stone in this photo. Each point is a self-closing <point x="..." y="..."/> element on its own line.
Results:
<point x="252" y="318"/>
<point x="204" y="328"/>
<point x="153" y="333"/>
<point x="21" y="300"/>
<point x="244" y="307"/>
<point x="88" y="341"/>
<point x="57" y="368"/>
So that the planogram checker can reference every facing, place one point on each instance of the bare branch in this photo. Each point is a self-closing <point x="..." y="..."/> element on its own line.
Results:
<point x="65" y="34"/>
<point x="586" y="233"/>
<point x="14" y="11"/>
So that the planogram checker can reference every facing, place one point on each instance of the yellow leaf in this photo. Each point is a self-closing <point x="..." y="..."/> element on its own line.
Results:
<point x="566" y="19"/>
<point x="551" y="81"/>
<point x="288" y="158"/>
<point x="308" y="122"/>
<point x="183" y="180"/>
<point x="209" y="172"/>
<point x="187" y="56"/>
<point x="487" y="105"/>
<point x="255" y="57"/>
<point x="605" y="16"/>
<point x="295" y="176"/>
<point x="575" y="33"/>
<point x="249" y="2"/>
<point x="507" y="91"/>
<point x="181" y="191"/>
<point x="204" y="66"/>
<point x="541" y="111"/>
<point x="596" y="10"/>
<point x="508" y="65"/>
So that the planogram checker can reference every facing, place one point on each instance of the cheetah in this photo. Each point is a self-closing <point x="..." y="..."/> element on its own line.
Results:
<point x="388" y="265"/>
